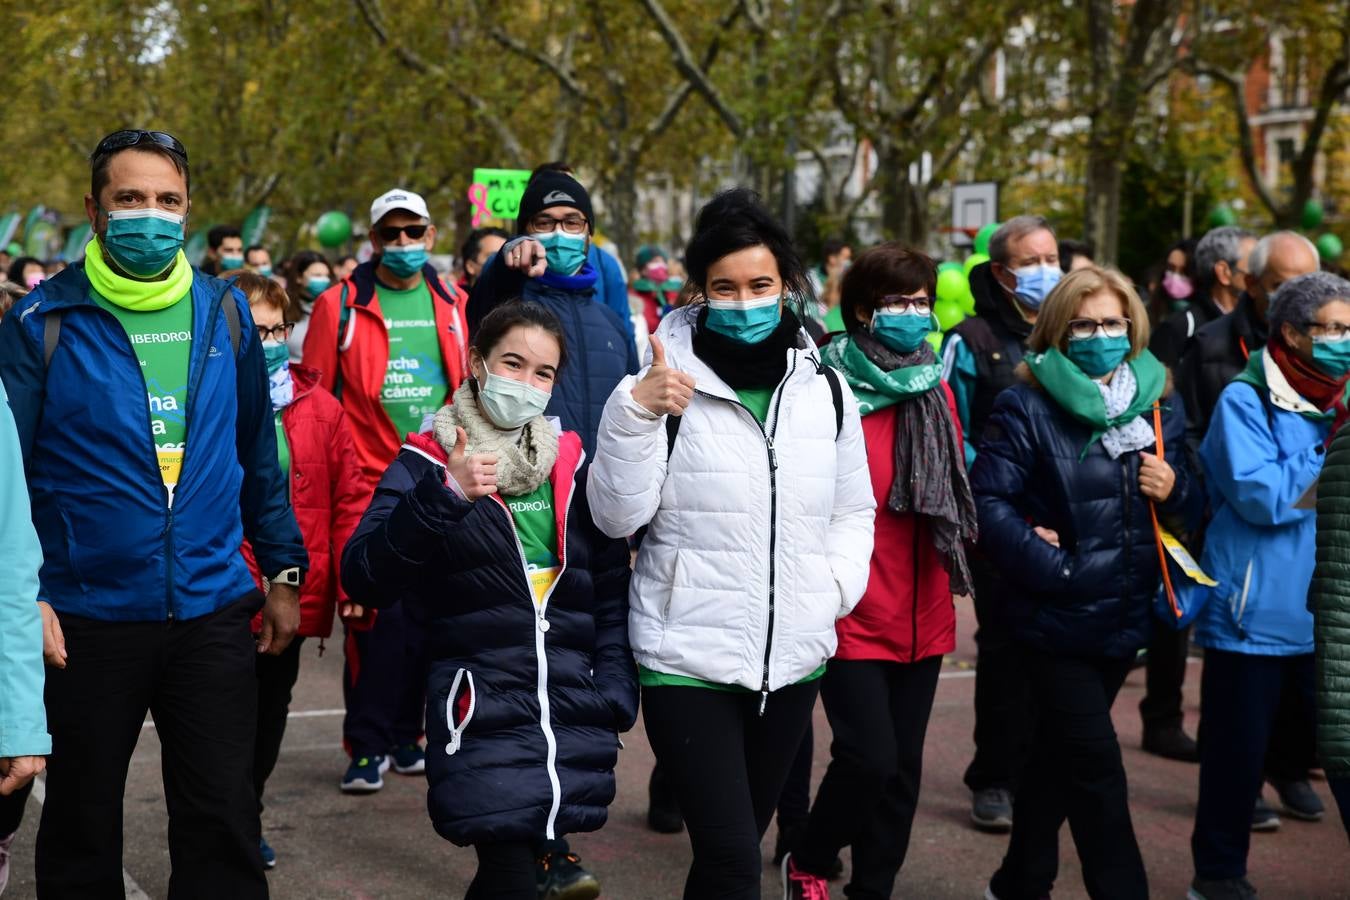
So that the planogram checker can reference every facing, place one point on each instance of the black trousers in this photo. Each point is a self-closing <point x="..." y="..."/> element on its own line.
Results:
<point x="1004" y="712"/>
<point x="1243" y="699"/>
<point x="383" y="685"/>
<point x="794" y="804"/>
<point x="878" y="713"/>
<point x="197" y="679"/>
<point x="727" y="764"/>
<point x="1075" y="772"/>
<point x="276" y="678"/>
<point x="506" y="871"/>
<point x="11" y="810"/>
<point x="1165" y="673"/>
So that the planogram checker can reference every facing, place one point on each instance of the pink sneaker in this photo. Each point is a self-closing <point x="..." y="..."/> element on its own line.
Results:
<point x="799" y="885"/>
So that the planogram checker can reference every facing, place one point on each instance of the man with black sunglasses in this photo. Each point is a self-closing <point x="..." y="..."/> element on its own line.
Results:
<point x="141" y="398"/>
<point x="390" y="342"/>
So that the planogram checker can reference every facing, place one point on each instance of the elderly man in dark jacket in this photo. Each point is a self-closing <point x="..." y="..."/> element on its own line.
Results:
<point x="547" y="263"/>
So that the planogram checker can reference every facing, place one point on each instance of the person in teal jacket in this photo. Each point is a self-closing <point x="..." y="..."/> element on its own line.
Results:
<point x="23" y="721"/>
<point x="1262" y="455"/>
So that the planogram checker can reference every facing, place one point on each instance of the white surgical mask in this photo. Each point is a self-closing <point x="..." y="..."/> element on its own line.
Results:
<point x="510" y="404"/>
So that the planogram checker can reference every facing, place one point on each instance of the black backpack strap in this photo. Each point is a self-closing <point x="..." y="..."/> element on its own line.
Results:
<point x="837" y="395"/>
<point x="231" y="310"/>
<point x="51" y="336"/>
<point x="672" y="431"/>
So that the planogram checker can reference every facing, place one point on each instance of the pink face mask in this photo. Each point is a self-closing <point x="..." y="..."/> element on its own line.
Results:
<point x="1177" y="286"/>
<point x="34" y="280"/>
<point x="658" y="272"/>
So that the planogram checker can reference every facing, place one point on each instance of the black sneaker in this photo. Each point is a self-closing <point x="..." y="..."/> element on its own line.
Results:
<point x="1170" y="742"/>
<point x="1263" y="817"/>
<point x="559" y="876"/>
<point x="1221" y="889"/>
<point x="1298" y="800"/>
<point x="663" y="807"/>
<point x="992" y="810"/>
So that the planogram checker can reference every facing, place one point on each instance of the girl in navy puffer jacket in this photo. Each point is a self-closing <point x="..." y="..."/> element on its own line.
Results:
<point x="482" y="528"/>
<point x="1066" y="472"/>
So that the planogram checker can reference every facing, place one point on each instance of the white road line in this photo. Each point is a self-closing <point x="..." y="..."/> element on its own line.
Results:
<point x="297" y="714"/>
<point x="133" y="890"/>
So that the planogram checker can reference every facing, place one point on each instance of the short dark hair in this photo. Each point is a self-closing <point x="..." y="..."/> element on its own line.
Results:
<point x="19" y="263"/>
<point x="889" y="268"/>
<point x="99" y="162"/>
<point x="556" y="165"/>
<point x="516" y="313"/>
<point x="735" y="220"/>
<point x="254" y="248"/>
<point x="344" y="258"/>
<point x="475" y="238"/>
<point x="216" y="236"/>
<point x="1069" y="248"/>
<point x="832" y="247"/>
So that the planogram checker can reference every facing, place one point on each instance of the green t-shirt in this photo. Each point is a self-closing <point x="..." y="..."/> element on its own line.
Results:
<point x="757" y="400"/>
<point x="651" y="678"/>
<point x="283" y="448"/>
<point x="538" y="532"/>
<point x="414" y="381"/>
<point x="162" y="342"/>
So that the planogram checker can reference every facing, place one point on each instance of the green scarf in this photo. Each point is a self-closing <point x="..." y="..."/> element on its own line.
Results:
<point x="874" y="388"/>
<point x="1080" y="397"/>
<point x="129" y="293"/>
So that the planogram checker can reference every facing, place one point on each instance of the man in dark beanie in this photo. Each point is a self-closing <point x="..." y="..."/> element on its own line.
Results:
<point x="547" y="262"/>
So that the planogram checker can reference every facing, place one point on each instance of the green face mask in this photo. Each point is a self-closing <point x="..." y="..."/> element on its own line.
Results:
<point x="1332" y="357"/>
<point x="143" y="242"/>
<point x="1098" y="355"/>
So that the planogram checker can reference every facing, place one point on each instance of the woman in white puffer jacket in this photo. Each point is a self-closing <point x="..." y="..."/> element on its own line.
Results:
<point x="744" y="455"/>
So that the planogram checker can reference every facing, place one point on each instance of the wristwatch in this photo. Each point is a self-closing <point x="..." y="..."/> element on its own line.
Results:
<point x="293" y="576"/>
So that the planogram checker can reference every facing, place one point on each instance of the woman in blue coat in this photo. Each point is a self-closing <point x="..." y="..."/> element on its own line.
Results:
<point x="1262" y="454"/>
<point x="23" y="720"/>
<point x="1066" y="474"/>
<point x="482" y="528"/>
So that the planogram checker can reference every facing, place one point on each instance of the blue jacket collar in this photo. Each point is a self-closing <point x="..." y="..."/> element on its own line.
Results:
<point x="583" y="280"/>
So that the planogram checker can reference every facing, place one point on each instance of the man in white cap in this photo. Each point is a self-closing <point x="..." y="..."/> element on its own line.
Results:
<point x="390" y="342"/>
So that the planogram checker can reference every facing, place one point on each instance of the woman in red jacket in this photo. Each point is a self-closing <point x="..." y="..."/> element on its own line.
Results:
<point x="319" y="458"/>
<point x="878" y="689"/>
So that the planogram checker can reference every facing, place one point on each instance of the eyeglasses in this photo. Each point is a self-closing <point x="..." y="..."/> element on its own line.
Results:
<point x="544" y="224"/>
<point x="1082" y="329"/>
<point x="920" y="305"/>
<point x="1336" y="331"/>
<point x="120" y="140"/>
<point x="279" y="332"/>
<point x="390" y="233"/>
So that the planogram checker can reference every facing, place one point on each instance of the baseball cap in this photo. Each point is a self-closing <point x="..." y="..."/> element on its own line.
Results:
<point x="398" y="198"/>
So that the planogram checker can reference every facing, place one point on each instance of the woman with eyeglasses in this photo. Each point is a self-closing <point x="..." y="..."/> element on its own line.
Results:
<point x="878" y="689"/>
<point x="1261" y="456"/>
<point x="318" y="460"/>
<point x="308" y="275"/>
<point x="743" y="454"/>
<point x="1074" y="463"/>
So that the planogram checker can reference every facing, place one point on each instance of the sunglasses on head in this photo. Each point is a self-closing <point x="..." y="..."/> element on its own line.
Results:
<point x="120" y="140"/>
<point x="390" y="233"/>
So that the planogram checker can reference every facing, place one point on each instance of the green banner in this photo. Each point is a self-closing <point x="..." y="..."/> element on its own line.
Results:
<point x="255" y="226"/>
<point x="76" y="241"/>
<point x="496" y="193"/>
<point x="9" y="223"/>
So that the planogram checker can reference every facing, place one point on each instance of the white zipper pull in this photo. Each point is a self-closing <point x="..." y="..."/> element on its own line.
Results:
<point x="763" y="701"/>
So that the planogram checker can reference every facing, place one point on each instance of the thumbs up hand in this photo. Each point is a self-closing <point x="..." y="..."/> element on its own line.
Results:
<point x="476" y="474"/>
<point x="663" y="391"/>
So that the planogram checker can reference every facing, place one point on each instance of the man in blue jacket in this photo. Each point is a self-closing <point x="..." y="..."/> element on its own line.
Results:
<point x="548" y="262"/>
<point x="141" y="401"/>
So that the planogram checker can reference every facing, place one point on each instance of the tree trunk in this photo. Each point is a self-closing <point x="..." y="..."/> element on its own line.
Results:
<point x="1102" y="195"/>
<point x="621" y="210"/>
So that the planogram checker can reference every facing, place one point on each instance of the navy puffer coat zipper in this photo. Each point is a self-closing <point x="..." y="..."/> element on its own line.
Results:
<point x="524" y="702"/>
<point x="1092" y="595"/>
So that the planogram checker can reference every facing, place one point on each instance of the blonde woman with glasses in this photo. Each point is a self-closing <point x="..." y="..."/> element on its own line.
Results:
<point x="1074" y="463"/>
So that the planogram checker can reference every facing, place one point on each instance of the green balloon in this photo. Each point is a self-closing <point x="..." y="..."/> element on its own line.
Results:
<point x="949" y="314"/>
<point x="1312" y="214"/>
<point x="951" y="284"/>
<point x="974" y="260"/>
<point x="967" y="301"/>
<point x="1329" y="247"/>
<point x="14" y="248"/>
<point x="935" y="340"/>
<point x="982" y="237"/>
<point x="334" y="228"/>
<point x="949" y="264"/>
<point x="1222" y="216"/>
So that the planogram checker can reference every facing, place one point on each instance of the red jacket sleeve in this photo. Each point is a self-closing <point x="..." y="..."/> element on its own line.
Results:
<point x="321" y="350"/>
<point x="347" y="503"/>
<point x="951" y="404"/>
